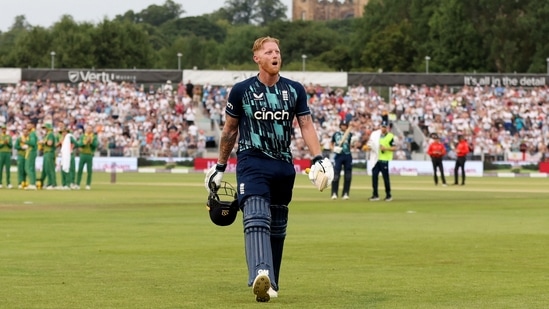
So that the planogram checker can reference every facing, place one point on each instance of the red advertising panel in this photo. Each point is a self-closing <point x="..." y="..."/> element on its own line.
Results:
<point x="544" y="167"/>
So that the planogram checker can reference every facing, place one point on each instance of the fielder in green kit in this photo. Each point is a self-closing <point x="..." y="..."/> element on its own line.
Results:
<point x="5" y="155"/>
<point x="30" y="157"/>
<point x="21" y="147"/>
<point x="88" y="144"/>
<point x="50" y="143"/>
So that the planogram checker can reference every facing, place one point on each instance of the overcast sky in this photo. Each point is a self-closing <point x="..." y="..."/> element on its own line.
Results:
<point x="47" y="12"/>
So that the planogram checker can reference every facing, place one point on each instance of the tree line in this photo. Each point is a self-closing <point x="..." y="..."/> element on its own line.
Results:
<point x="454" y="36"/>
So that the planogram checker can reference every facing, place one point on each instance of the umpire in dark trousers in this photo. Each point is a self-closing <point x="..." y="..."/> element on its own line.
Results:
<point x="437" y="151"/>
<point x="462" y="149"/>
<point x="386" y="150"/>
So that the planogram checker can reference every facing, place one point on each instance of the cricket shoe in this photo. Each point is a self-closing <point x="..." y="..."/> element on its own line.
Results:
<point x="10" y="186"/>
<point x="334" y="196"/>
<point x="30" y="187"/>
<point x="345" y="197"/>
<point x="261" y="287"/>
<point x="374" y="198"/>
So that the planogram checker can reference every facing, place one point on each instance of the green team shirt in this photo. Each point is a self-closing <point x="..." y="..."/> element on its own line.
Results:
<point x="5" y="143"/>
<point x="50" y="137"/>
<point x="32" y="142"/>
<point x="59" y="139"/>
<point x="18" y="144"/>
<point x="87" y="148"/>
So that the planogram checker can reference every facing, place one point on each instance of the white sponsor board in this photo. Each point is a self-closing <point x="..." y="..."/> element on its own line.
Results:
<point x="10" y="75"/>
<point x="472" y="168"/>
<point x="229" y="78"/>
<point x="128" y="164"/>
<point x="525" y="158"/>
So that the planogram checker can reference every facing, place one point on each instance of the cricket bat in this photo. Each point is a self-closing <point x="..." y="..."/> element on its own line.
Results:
<point x="345" y="135"/>
<point x="320" y="181"/>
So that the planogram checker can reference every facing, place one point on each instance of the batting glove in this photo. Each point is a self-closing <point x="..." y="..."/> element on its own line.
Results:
<point x="337" y="149"/>
<point x="214" y="177"/>
<point x="321" y="173"/>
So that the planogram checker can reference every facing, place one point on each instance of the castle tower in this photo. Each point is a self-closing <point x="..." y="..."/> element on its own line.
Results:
<point x="327" y="9"/>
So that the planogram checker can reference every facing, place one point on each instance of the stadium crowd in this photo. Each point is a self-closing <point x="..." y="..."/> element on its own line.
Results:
<point x="494" y="120"/>
<point x="138" y="120"/>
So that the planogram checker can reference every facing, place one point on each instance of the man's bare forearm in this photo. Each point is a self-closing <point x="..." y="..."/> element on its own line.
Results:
<point x="226" y="145"/>
<point x="309" y="134"/>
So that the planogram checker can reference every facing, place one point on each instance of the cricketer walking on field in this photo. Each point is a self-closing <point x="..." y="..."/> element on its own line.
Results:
<point x="5" y="156"/>
<point x="88" y="144"/>
<point x="21" y="147"/>
<point x="260" y="113"/>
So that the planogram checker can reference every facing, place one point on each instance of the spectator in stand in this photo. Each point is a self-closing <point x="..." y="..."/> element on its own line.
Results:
<point x="180" y="90"/>
<point x="326" y="143"/>
<point x="197" y="96"/>
<point x="190" y="115"/>
<point x="437" y="151"/>
<point x="168" y="88"/>
<point x="483" y="113"/>
<point x="462" y="149"/>
<point x="215" y="117"/>
<point x="189" y="87"/>
<point x="400" y="155"/>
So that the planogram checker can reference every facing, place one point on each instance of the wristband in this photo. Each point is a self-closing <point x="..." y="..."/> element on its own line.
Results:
<point x="221" y="167"/>
<point x="316" y="159"/>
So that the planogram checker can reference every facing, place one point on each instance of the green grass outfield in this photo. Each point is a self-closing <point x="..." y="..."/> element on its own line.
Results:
<point x="147" y="242"/>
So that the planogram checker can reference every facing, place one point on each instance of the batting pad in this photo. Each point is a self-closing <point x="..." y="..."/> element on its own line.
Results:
<point x="257" y="236"/>
<point x="279" y="214"/>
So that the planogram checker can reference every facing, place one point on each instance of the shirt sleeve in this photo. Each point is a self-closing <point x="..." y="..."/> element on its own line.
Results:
<point x="234" y="102"/>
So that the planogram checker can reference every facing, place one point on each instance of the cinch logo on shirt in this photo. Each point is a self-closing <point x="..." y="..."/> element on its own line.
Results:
<point x="264" y="114"/>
